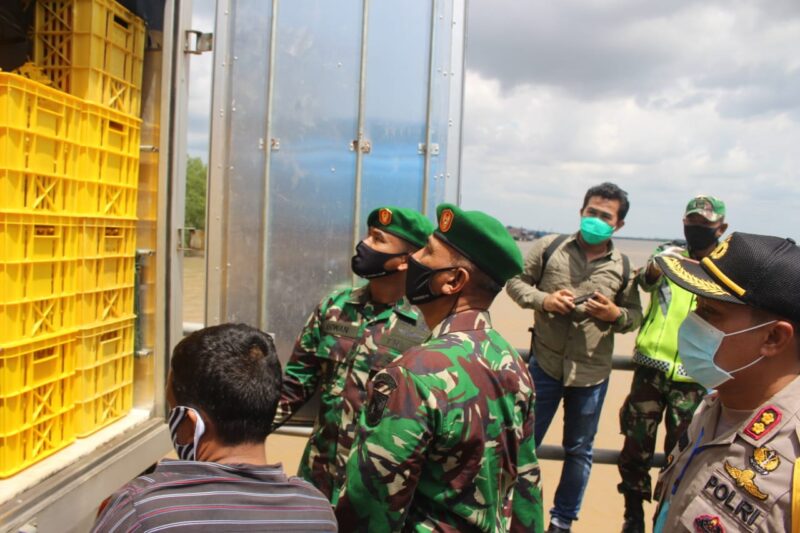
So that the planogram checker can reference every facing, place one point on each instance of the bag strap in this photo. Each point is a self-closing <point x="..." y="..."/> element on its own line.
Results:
<point x="626" y="274"/>
<point x="551" y="249"/>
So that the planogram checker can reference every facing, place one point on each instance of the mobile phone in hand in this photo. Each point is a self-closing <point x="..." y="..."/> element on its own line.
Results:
<point x="582" y="298"/>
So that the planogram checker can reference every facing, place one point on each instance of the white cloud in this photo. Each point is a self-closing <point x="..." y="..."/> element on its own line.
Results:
<point x="530" y="153"/>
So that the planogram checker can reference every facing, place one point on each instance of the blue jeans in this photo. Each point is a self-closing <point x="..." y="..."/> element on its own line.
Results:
<point x="582" y="406"/>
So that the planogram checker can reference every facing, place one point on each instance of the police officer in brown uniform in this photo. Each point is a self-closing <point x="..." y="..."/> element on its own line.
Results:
<point x="736" y="468"/>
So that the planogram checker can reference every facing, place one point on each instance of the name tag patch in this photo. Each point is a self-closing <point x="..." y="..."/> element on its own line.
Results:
<point x="340" y="329"/>
<point x="404" y="336"/>
<point x="734" y="503"/>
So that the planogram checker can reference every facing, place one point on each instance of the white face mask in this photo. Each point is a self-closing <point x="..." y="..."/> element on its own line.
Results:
<point x="186" y="452"/>
<point x="698" y="343"/>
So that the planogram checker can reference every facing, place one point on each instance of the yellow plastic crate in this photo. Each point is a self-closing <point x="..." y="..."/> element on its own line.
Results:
<point x="106" y="273"/>
<point x="102" y="410"/>
<point x="40" y="128"/>
<point x="37" y="109"/>
<point x="28" y="445"/>
<point x="29" y="192"/>
<point x="38" y="319"/>
<point x="25" y="237"/>
<point x="109" y="163"/>
<point x="93" y="49"/>
<point x="35" y="405"/>
<point x="103" y="237"/>
<point x="103" y="378"/>
<point x="27" y="281"/>
<point x="101" y="306"/>
<point x="107" y="342"/>
<point x="24" y="366"/>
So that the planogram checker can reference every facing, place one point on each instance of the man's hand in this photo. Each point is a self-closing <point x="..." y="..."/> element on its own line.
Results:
<point x="602" y="308"/>
<point x="559" y="302"/>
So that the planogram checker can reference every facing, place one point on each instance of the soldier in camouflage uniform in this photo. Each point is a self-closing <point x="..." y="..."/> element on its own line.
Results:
<point x="352" y="334"/>
<point x="661" y="386"/>
<point x="446" y="441"/>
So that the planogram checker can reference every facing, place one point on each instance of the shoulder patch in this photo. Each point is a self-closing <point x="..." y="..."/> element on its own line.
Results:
<point x="382" y="386"/>
<point x="764" y="460"/>
<point x="765" y="421"/>
<point x="708" y="524"/>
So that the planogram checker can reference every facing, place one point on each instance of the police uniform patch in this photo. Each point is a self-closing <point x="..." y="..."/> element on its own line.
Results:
<point x="765" y="421"/>
<point x="706" y="523"/>
<point x="446" y="220"/>
<point x="382" y="387"/>
<point x="385" y="216"/>
<point x="764" y="460"/>
<point x="745" y="478"/>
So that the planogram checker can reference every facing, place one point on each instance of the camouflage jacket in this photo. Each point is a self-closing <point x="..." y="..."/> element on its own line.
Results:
<point x="345" y="341"/>
<point x="446" y="440"/>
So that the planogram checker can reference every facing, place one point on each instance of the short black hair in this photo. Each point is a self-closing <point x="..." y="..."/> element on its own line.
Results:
<point x="479" y="280"/>
<point x="609" y="191"/>
<point x="231" y="372"/>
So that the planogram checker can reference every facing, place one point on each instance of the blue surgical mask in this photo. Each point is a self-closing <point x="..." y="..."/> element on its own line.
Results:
<point x="595" y="230"/>
<point x="186" y="452"/>
<point x="698" y="343"/>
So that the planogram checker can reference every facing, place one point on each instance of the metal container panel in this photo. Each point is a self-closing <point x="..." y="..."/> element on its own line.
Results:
<point x="312" y="174"/>
<point x="398" y="52"/>
<point x="246" y="113"/>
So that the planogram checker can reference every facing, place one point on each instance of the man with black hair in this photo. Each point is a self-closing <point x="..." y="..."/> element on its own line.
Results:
<point x="582" y="293"/>
<point x="224" y="381"/>
<point x="352" y="334"/>
<point x="736" y="468"/>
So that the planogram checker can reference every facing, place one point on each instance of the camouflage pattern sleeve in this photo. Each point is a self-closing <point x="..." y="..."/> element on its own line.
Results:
<point x="527" y="511"/>
<point x="302" y="372"/>
<point x="384" y="468"/>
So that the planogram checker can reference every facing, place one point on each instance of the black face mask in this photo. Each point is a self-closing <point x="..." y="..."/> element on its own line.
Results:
<point x="369" y="263"/>
<point x="418" y="282"/>
<point x="699" y="237"/>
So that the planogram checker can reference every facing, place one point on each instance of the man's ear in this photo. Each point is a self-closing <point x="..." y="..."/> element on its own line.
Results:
<point x="721" y="230"/>
<point x="403" y="266"/>
<point x="781" y="335"/>
<point x="619" y="225"/>
<point x="460" y="279"/>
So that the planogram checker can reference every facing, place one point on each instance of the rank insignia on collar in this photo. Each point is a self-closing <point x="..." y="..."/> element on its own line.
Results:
<point x="705" y="523"/>
<point x="763" y="422"/>
<point x="745" y="478"/>
<point x="764" y="460"/>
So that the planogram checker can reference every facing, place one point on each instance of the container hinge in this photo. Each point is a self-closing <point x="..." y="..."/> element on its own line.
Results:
<point x="198" y="42"/>
<point x="148" y="148"/>
<point x="421" y="148"/>
<point x="363" y="145"/>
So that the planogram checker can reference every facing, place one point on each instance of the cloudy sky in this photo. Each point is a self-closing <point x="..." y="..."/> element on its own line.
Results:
<point x="667" y="99"/>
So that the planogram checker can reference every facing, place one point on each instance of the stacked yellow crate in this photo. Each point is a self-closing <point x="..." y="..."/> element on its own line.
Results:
<point x="69" y="167"/>
<point x="40" y="144"/>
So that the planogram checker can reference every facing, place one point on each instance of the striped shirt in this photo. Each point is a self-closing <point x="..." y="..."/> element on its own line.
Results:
<point x="202" y="496"/>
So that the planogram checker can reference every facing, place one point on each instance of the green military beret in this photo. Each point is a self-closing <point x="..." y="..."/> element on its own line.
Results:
<point x="408" y="224"/>
<point x="481" y="239"/>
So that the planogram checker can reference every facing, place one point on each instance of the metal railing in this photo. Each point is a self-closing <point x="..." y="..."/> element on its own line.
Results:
<point x="546" y="451"/>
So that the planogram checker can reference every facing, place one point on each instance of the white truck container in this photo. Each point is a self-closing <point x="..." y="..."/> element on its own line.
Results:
<point x="320" y="111"/>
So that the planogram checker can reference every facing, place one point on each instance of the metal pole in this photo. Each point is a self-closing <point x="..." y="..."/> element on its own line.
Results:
<point x="426" y="171"/>
<point x="262" y="294"/>
<point x="362" y="97"/>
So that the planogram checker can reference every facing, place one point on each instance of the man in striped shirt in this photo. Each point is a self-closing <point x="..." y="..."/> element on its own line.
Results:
<point x="224" y="382"/>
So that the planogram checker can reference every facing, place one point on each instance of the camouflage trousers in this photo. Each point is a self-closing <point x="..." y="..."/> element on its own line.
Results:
<point x="652" y="396"/>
